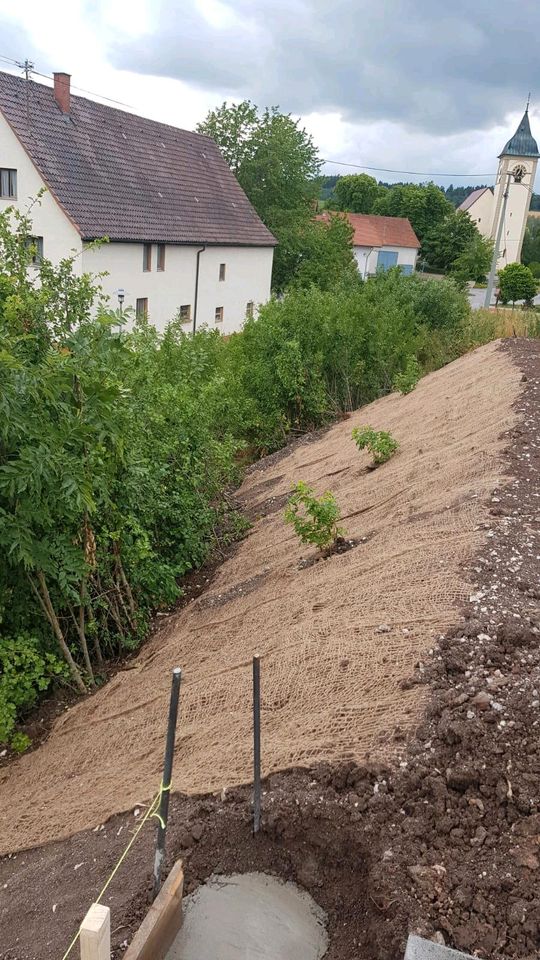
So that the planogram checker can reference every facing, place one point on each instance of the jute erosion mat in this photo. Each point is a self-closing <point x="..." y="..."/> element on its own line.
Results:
<point x="336" y="639"/>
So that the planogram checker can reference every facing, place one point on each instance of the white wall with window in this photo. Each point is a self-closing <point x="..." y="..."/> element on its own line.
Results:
<point x="372" y="259"/>
<point x="49" y="221"/>
<point x="233" y="281"/>
<point x="164" y="275"/>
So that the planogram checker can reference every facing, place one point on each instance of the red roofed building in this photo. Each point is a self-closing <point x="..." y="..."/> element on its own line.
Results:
<point x="184" y="238"/>
<point x="382" y="242"/>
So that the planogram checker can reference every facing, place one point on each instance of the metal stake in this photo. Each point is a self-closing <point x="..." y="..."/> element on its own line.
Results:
<point x="256" y="743"/>
<point x="163" y="811"/>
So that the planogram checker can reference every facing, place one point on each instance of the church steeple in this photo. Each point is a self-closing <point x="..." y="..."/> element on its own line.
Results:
<point x="522" y="144"/>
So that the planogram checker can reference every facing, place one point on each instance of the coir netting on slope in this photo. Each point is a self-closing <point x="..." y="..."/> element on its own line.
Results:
<point x="330" y="677"/>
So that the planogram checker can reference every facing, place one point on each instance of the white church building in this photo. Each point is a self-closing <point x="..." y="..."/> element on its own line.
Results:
<point x="487" y="207"/>
<point x="183" y="238"/>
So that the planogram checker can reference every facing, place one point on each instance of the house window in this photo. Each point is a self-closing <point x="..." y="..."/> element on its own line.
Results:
<point x="35" y="244"/>
<point x="8" y="183"/>
<point x="249" y="309"/>
<point x="141" y="308"/>
<point x="219" y="314"/>
<point x="185" y="313"/>
<point x="161" y="256"/>
<point x="222" y="269"/>
<point x="147" y="257"/>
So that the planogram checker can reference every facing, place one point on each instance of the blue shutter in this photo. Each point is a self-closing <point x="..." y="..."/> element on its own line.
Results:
<point x="386" y="259"/>
<point x="406" y="268"/>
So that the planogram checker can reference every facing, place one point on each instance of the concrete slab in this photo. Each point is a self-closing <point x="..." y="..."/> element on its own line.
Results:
<point x="250" y="916"/>
<point x="420" y="949"/>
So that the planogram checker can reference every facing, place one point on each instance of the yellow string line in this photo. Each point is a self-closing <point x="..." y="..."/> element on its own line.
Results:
<point x="151" y="812"/>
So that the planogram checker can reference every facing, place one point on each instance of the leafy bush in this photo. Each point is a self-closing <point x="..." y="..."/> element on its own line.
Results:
<point x="25" y="673"/>
<point x="406" y="380"/>
<point x="516" y="282"/>
<point x="315" y="520"/>
<point x="380" y="444"/>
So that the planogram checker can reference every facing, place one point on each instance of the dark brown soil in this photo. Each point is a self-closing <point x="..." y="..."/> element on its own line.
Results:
<point x="340" y="545"/>
<point x="445" y="843"/>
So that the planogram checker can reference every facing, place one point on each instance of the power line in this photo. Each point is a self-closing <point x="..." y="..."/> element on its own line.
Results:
<point x="29" y="68"/>
<point x="410" y="173"/>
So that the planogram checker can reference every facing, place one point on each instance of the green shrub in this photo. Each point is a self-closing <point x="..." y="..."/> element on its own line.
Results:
<point x="516" y="282"/>
<point x="380" y="444"/>
<point x="315" y="519"/>
<point x="406" y="380"/>
<point x="20" y="742"/>
<point x="25" y="673"/>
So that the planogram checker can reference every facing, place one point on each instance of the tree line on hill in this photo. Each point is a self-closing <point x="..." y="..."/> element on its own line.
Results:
<point x="456" y="194"/>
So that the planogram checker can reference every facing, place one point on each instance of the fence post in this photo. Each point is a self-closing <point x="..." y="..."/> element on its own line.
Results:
<point x="256" y="743"/>
<point x="163" y="811"/>
<point x="95" y="935"/>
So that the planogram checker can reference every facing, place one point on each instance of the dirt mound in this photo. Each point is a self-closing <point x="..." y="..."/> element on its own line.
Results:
<point x="337" y="639"/>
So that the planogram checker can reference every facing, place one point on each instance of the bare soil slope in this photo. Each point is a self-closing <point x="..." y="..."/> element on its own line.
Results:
<point x="336" y="639"/>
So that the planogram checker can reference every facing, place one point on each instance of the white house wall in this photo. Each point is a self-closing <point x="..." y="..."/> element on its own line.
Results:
<point x="481" y="212"/>
<point x="60" y="237"/>
<point x="366" y="258"/>
<point x="248" y="273"/>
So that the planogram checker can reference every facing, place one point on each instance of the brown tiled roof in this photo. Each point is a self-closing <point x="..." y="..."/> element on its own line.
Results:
<point x="468" y="201"/>
<point x="374" y="231"/>
<point x="128" y="178"/>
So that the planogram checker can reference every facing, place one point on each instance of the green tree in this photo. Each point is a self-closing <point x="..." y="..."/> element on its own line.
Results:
<point x="277" y="164"/>
<point x="448" y="239"/>
<point x="474" y="261"/>
<point x="530" y="252"/>
<point x="425" y="205"/>
<point x="516" y="282"/>
<point x="356" y="193"/>
<point x="324" y="253"/>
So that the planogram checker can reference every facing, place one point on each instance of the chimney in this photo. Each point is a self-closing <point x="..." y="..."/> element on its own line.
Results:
<point x="61" y="90"/>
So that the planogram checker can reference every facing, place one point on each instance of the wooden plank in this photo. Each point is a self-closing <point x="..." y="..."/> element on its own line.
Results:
<point x="162" y="922"/>
<point x="95" y="935"/>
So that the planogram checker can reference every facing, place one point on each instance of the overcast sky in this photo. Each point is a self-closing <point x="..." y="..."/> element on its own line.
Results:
<point x="414" y="85"/>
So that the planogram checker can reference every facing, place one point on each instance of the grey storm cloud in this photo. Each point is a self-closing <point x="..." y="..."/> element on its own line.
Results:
<point x="433" y="65"/>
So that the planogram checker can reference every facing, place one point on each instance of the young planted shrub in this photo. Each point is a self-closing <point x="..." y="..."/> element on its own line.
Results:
<point x="315" y="519"/>
<point x="406" y="380"/>
<point x="380" y="444"/>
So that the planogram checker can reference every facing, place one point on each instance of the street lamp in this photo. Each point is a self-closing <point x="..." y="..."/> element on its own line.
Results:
<point x="120" y="294"/>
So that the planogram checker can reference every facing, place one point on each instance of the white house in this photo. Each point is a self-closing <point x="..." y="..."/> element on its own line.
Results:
<point x="381" y="242"/>
<point x="183" y="237"/>
<point x="516" y="173"/>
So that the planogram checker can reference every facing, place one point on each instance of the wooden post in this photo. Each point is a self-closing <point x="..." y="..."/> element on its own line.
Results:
<point x="96" y="933"/>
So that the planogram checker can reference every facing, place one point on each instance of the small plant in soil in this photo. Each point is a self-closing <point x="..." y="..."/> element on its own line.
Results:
<point x="406" y="381"/>
<point x="315" y="519"/>
<point x="380" y="444"/>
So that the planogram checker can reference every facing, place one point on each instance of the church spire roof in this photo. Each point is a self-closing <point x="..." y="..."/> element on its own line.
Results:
<point x="522" y="144"/>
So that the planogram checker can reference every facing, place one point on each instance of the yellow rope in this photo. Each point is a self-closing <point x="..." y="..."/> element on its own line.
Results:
<point x="151" y="812"/>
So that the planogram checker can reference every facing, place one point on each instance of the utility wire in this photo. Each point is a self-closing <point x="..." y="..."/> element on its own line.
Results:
<point x="411" y="173"/>
<point x="47" y="76"/>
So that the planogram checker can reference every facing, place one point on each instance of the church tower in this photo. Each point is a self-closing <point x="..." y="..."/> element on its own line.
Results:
<point x="517" y="169"/>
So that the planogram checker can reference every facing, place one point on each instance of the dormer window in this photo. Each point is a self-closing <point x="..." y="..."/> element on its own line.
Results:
<point x="8" y="183"/>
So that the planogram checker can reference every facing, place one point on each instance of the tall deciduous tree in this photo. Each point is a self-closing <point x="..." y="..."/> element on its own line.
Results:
<point x="357" y="193"/>
<point x="425" y="205"/>
<point x="448" y="238"/>
<point x="277" y="164"/>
